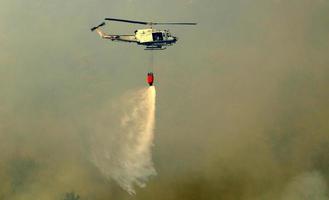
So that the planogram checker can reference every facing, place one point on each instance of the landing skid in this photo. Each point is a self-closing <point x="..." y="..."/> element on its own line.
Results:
<point x="155" y="48"/>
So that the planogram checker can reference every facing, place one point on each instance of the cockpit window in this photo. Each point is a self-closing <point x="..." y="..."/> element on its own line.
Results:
<point x="157" y="36"/>
<point x="168" y="33"/>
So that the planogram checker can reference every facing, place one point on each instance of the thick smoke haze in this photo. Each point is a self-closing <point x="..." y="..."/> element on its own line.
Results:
<point x="242" y="99"/>
<point x="306" y="186"/>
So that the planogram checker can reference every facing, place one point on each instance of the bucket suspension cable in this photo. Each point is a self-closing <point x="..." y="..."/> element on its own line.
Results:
<point x="151" y="61"/>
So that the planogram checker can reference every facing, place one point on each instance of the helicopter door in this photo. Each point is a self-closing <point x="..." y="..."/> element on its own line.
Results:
<point x="157" y="36"/>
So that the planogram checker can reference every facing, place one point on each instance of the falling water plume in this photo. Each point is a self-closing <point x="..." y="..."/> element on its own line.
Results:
<point x="122" y="150"/>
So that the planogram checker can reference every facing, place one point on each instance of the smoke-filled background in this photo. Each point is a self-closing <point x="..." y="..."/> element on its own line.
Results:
<point x="242" y="98"/>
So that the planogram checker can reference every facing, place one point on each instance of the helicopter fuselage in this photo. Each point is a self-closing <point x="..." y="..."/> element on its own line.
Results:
<point x="153" y="37"/>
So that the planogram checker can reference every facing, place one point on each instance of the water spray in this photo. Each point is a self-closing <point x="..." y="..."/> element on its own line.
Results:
<point x="124" y="154"/>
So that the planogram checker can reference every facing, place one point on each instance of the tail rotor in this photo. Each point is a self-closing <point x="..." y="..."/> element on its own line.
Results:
<point x="96" y="27"/>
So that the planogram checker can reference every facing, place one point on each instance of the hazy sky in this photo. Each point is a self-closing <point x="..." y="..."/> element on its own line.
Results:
<point x="242" y="98"/>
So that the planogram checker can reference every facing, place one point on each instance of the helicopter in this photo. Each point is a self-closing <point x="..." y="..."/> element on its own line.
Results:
<point x="151" y="38"/>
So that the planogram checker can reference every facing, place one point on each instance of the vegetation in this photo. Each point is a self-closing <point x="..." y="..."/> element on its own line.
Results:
<point x="71" y="196"/>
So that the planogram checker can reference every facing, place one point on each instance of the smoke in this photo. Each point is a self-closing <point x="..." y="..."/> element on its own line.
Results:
<point x="124" y="154"/>
<point x="307" y="186"/>
<point x="244" y="110"/>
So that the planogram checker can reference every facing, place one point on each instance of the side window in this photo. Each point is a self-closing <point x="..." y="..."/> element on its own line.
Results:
<point x="157" y="36"/>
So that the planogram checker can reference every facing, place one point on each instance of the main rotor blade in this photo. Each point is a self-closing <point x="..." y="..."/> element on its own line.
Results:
<point x="174" y="23"/>
<point x="148" y="23"/>
<point x="128" y="21"/>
